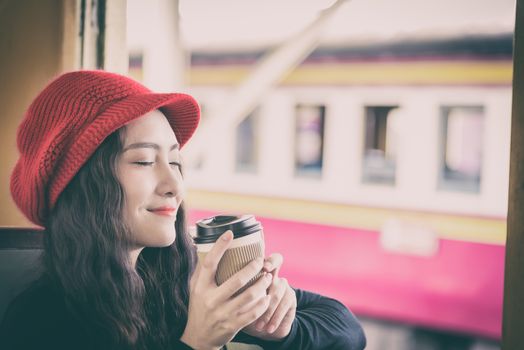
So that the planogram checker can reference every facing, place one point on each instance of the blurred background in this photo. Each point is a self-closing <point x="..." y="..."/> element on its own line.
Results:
<point x="370" y="137"/>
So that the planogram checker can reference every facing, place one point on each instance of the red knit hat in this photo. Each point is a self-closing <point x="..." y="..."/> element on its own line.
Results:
<point x="70" y="118"/>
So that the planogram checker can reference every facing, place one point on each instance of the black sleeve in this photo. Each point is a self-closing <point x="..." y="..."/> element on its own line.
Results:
<point x="180" y="345"/>
<point x="320" y="323"/>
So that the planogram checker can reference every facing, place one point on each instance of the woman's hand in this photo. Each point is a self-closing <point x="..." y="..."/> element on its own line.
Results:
<point x="276" y="322"/>
<point x="214" y="315"/>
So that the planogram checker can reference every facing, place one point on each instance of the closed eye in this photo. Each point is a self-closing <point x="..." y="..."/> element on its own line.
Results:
<point x="144" y="163"/>
<point x="177" y="164"/>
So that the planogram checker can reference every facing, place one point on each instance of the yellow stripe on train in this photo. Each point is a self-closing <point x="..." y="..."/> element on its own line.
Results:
<point x="373" y="73"/>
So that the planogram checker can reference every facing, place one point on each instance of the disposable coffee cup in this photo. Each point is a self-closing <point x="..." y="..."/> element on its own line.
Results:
<point x="247" y="245"/>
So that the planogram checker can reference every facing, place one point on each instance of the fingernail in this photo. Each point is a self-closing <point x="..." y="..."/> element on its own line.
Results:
<point x="268" y="276"/>
<point x="271" y="329"/>
<point x="226" y="236"/>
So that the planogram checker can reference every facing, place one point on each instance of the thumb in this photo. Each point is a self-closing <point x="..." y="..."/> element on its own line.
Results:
<point x="209" y="264"/>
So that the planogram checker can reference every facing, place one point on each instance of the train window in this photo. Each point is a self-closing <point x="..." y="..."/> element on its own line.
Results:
<point x="247" y="144"/>
<point x="309" y="140"/>
<point x="379" y="163"/>
<point x="136" y="66"/>
<point x="461" y="148"/>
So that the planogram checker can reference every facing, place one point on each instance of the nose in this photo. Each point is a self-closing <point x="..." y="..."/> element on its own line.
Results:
<point x="170" y="182"/>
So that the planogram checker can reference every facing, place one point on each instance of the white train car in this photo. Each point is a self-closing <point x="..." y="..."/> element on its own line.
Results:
<point x="380" y="172"/>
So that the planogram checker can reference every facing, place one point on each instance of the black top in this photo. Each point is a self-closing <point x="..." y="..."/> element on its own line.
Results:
<point x="38" y="319"/>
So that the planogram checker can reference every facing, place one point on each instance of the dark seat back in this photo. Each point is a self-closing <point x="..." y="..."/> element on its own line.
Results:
<point x="20" y="250"/>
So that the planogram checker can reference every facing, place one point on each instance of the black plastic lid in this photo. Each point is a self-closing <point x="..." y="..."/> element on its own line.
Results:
<point x="209" y="229"/>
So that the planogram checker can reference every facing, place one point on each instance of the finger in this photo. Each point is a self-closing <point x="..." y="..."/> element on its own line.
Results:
<point x="281" y="311"/>
<point x="254" y="313"/>
<point x="245" y="300"/>
<point x="287" y="303"/>
<point x="194" y="277"/>
<point x="227" y="289"/>
<point x="276" y="292"/>
<point x="273" y="263"/>
<point x="286" y="324"/>
<point x="210" y="262"/>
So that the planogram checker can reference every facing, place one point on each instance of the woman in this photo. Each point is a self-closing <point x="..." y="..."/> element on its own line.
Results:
<point x="100" y="169"/>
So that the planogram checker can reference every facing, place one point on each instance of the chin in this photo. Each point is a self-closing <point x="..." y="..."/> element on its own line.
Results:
<point x="167" y="240"/>
<point x="159" y="241"/>
<point x="157" y="237"/>
<point x="170" y="241"/>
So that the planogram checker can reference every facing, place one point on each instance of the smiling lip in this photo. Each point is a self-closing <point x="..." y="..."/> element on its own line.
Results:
<point x="164" y="211"/>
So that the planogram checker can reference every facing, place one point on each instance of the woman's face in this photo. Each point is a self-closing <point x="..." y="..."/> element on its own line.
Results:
<point x="149" y="171"/>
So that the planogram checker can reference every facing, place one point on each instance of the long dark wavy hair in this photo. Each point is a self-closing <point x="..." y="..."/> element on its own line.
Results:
<point x="86" y="256"/>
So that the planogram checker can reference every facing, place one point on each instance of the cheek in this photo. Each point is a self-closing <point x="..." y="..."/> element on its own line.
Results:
<point x="136" y="190"/>
<point x="181" y="190"/>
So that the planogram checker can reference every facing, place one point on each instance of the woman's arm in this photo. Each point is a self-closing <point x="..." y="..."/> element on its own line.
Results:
<point x="320" y="323"/>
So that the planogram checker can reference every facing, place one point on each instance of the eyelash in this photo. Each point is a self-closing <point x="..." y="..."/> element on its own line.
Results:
<point x="151" y="163"/>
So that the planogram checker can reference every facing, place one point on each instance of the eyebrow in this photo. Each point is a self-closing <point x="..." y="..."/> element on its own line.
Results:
<point x="148" y="145"/>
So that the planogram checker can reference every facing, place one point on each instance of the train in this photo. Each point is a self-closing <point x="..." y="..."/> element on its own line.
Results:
<point x="379" y="171"/>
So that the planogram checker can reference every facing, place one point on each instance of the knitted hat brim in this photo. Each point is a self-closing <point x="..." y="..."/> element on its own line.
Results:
<point x="181" y="111"/>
